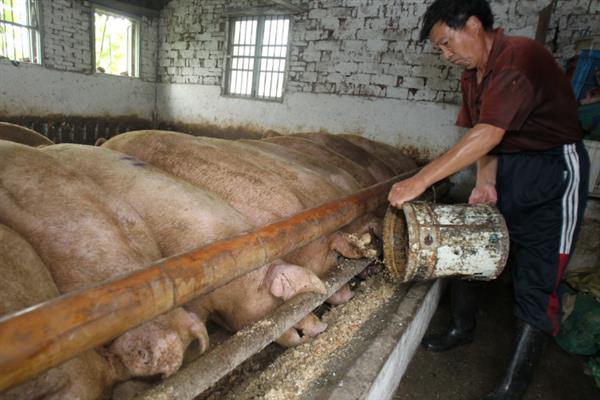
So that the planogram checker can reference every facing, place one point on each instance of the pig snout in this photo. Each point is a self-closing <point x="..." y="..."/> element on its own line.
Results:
<point x="311" y="326"/>
<point x="149" y="349"/>
<point x="308" y="328"/>
<point x="343" y="295"/>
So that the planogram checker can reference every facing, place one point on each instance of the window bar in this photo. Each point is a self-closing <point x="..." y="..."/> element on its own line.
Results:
<point x="12" y="29"/>
<point x="241" y="60"/>
<point x="27" y="31"/>
<point x="277" y="53"/>
<point x="235" y="41"/>
<point x="270" y="48"/>
<point x="258" y="53"/>
<point x="249" y="61"/>
<point x="238" y="59"/>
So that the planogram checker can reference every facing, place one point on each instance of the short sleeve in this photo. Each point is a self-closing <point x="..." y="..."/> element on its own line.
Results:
<point x="507" y="101"/>
<point x="464" y="119"/>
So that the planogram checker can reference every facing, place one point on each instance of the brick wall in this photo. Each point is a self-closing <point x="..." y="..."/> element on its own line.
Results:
<point x="67" y="42"/>
<point x="348" y="47"/>
<point x="572" y="20"/>
<point x="192" y="43"/>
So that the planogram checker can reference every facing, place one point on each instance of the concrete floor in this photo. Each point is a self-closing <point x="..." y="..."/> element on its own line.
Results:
<point x="470" y="372"/>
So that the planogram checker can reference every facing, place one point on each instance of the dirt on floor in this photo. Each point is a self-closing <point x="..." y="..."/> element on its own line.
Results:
<point x="472" y="371"/>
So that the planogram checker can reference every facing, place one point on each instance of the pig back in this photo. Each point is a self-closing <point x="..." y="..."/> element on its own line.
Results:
<point x="391" y="156"/>
<point x="255" y="192"/>
<point x="310" y="187"/>
<point x="20" y="134"/>
<point x="80" y="232"/>
<point x="374" y="165"/>
<point x="335" y="175"/>
<point x="180" y="216"/>
<point x="326" y="155"/>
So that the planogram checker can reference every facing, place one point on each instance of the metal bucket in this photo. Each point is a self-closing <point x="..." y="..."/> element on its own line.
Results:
<point x="427" y="241"/>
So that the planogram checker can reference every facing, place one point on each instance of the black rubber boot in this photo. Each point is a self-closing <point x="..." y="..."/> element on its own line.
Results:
<point x="530" y="343"/>
<point x="463" y="302"/>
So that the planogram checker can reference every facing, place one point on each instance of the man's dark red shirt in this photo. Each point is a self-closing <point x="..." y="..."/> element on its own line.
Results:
<point x="525" y="92"/>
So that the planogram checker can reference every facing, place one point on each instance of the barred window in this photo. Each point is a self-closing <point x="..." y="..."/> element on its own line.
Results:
<point x="20" y="30"/>
<point x="257" y="57"/>
<point x="117" y="43"/>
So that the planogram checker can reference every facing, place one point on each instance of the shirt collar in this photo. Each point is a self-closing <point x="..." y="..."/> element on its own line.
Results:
<point x="499" y="40"/>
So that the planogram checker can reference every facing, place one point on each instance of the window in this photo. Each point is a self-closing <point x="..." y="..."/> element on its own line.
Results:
<point x="19" y="30"/>
<point x="257" y="57"/>
<point x="117" y="41"/>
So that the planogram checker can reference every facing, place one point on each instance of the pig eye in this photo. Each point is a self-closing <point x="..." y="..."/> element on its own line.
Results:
<point x="144" y="356"/>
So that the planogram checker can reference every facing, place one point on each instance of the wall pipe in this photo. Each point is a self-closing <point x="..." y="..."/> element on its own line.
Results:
<point x="43" y="336"/>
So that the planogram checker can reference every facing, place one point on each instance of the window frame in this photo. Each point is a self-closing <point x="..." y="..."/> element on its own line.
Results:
<point x="137" y="51"/>
<point x="35" y="32"/>
<point x="228" y="58"/>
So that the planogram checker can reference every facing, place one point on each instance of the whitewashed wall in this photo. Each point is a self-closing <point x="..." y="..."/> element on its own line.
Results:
<point x="32" y="90"/>
<point x="64" y="84"/>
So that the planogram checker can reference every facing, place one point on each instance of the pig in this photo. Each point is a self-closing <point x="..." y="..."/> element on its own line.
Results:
<point x="326" y="155"/>
<point x="391" y="156"/>
<point x="205" y="165"/>
<point x="85" y="236"/>
<point x="183" y="217"/>
<point x="254" y="191"/>
<point x="310" y="187"/>
<point x="374" y="165"/>
<point x="337" y="176"/>
<point x="20" y="134"/>
<point x="25" y="282"/>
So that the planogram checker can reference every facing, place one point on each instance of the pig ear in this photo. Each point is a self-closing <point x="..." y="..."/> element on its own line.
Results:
<point x="287" y="280"/>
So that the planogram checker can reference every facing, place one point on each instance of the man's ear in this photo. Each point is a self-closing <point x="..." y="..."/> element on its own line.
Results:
<point x="473" y="24"/>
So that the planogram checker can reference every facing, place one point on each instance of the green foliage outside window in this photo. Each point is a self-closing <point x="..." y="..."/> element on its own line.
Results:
<point x="116" y="44"/>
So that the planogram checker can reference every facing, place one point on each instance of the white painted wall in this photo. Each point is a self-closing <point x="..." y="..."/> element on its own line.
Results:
<point x="424" y="125"/>
<point x="32" y="90"/>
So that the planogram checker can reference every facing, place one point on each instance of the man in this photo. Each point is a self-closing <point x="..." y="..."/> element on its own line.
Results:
<point x="525" y="138"/>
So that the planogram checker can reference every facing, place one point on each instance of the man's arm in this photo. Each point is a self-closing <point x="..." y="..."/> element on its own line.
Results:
<point x="476" y="143"/>
<point x="485" y="187"/>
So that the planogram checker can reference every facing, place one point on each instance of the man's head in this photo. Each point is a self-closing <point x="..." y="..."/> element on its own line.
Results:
<point x="457" y="28"/>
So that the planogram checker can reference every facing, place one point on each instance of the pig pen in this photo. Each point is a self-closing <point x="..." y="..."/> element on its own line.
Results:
<point x="381" y="323"/>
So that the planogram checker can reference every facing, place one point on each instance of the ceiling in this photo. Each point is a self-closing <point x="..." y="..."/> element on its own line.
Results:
<point x="151" y="4"/>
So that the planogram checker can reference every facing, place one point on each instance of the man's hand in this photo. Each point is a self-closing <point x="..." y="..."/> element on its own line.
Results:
<point x="484" y="194"/>
<point x="406" y="190"/>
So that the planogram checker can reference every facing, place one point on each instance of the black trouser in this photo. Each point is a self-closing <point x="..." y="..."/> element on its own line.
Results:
<point x="542" y="196"/>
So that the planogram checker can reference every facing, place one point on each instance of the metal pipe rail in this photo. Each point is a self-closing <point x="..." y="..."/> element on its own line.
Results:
<point x="43" y="336"/>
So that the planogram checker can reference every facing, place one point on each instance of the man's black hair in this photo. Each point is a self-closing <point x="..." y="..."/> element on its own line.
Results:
<point x="455" y="14"/>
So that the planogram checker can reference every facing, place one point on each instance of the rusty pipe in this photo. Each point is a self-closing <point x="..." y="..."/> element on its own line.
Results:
<point x="43" y="336"/>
